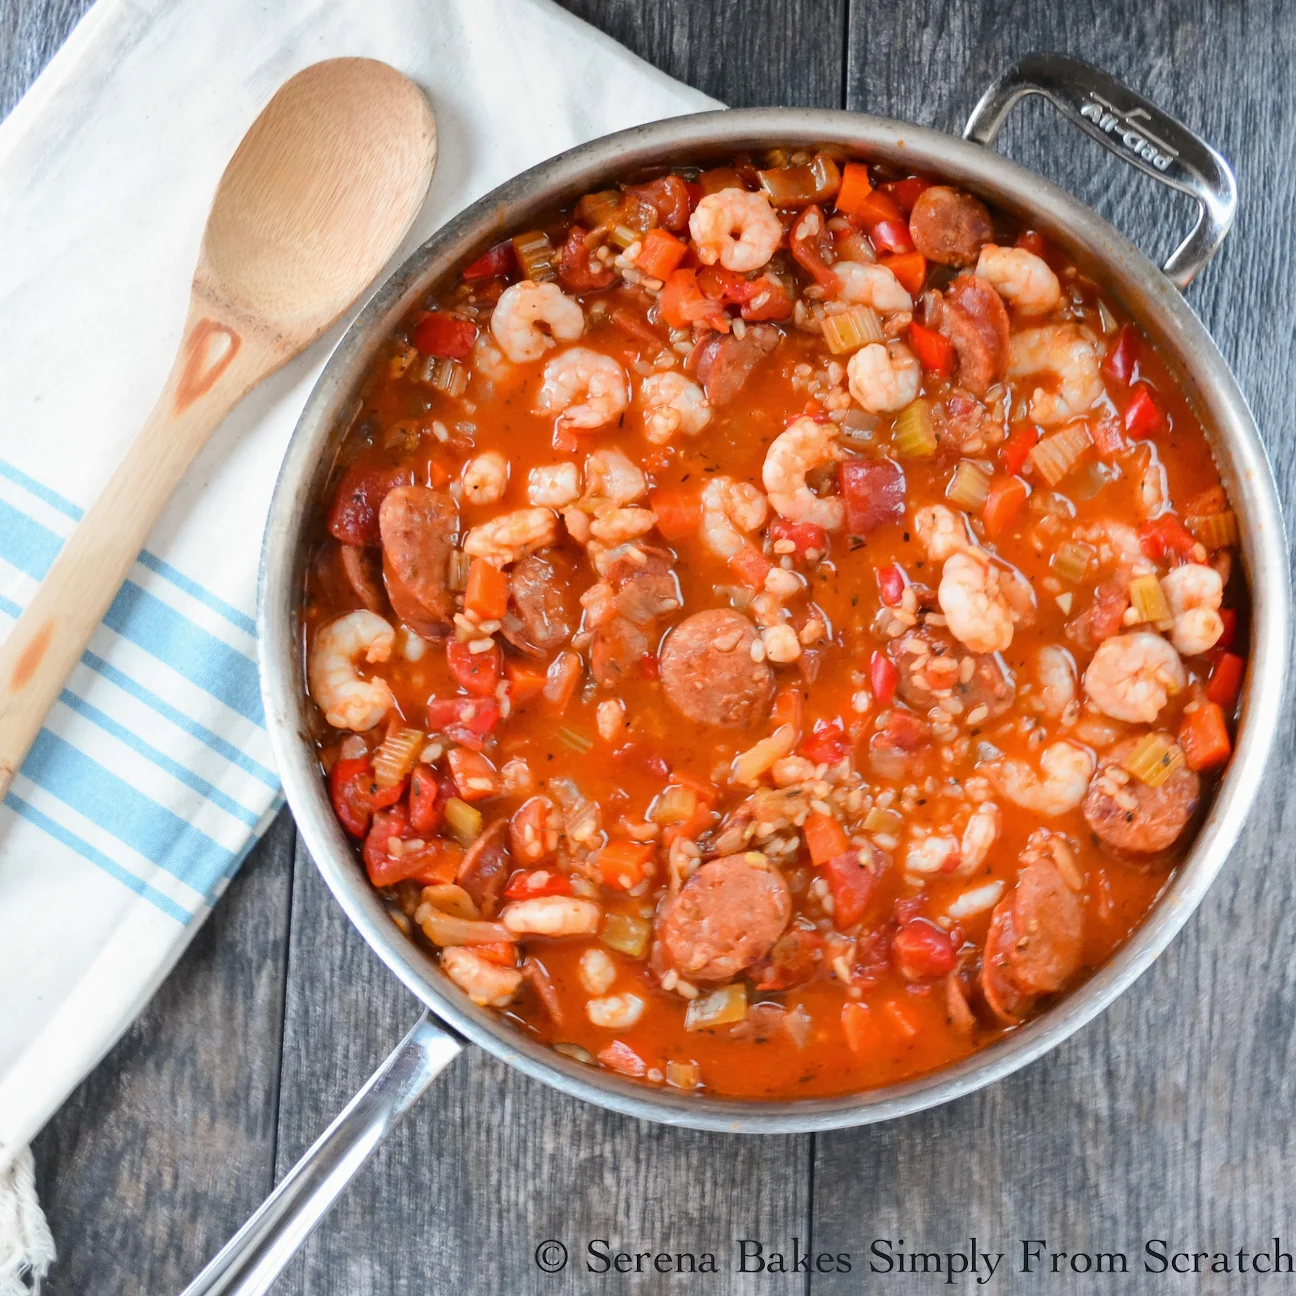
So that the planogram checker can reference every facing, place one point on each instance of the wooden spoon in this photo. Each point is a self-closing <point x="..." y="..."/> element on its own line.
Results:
<point x="320" y="193"/>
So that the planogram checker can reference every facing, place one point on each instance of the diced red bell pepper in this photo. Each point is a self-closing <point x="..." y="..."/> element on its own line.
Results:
<point x="1204" y="737"/>
<point x="770" y="301"/>
<point x="851" y="882"/>
<point x="476" y="673"/>
<point x="1015" y="451"/>
<point x="873" y="491"/>
<point x="386" y="869"/>
<point x="1123" y="355"/>
<point x="428" y="794"/>
<point x="827" y="743"/>
<point x="891" y="584"/>
<point x="439" y="334"/>
<point x="876" y="207"/>
<point x="810" y="241"/>
<point x="910" y="268"/>
<point x="891" y="236"/>
<point x="883" y="678"/>
<point x="1143" y="415"/>
<point x="1225" y="682"/>
<point x="466" y="720"/>
<point x="1164" y="536"/>
<point x="527" y="884"/>
<point x="353" y="515"/>
<point x="500" y="260"/>
<point x="922" y="951"/>
<point x="908" y="191"/>
<point x="475" y="778"/>
<point x="806" y="538"/>
<point x="934" y="350"/>
<point x="349" y="784"/>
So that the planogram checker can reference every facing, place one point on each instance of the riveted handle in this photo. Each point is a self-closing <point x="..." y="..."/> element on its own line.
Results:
<point x="1133" y="128"/>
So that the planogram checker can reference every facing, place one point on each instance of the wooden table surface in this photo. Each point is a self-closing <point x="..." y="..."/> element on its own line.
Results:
<point x="1168" y="1117"/>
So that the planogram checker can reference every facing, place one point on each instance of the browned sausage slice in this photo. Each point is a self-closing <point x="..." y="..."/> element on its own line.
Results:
<point x="708" y="674"/>
<point x="726" y="917"/>
<point x="644" y="585"/>
<point x="617" y="651"/>
<point x="364" y="574"/>
<point x="933" y="666"/>
<point x="726" y="361"/>
<point x="973" y="317"/>
<point x="419" y="526"/>
<point x="949" y="226"/>
<point x="540" y="617"/>
<point x="1129" y="816"/>
<point x="485" y="867"/>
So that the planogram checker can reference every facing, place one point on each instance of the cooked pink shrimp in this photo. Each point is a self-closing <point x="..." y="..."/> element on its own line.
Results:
<point x="803" y="445"/>
<point x="1194" y="592"/>
<point x="485" y="983"/>
<point x="521" y="310"/>
<point x="872" y="285"/>
<point x="1020" y="277"/>
<point x="1066" y="768"/>
<point x="883" y="377"/>
<point x="975" y="601"/>
<point x="347" y="700"/>
<point x="585" y="388"/>
<point x="511" y="536"/>
<point x="730" y="512"/>
<point x="672" y="404"/>
<point x="552" y="916"/>
<point x="736" y="228"/>
<point x="1132" y="676"/>
<point x="941" y="531"/>
<point x="1068" y="352"/>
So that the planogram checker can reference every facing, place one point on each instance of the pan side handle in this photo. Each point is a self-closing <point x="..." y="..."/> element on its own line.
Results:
<point x="256" y="1255"/>
<point x="1133" y="128"/>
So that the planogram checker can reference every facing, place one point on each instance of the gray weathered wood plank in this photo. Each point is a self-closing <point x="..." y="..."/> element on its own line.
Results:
<point x="1169" y="1116"/>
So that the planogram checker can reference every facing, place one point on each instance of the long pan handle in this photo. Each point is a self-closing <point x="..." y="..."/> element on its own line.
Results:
<point x="249" y="1263"/>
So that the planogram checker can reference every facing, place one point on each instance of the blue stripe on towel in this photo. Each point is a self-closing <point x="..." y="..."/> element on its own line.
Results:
<point x="33" y="487"/>
<point x="160" y="759"/>
<point x="97" y="857"/>
<point x="133" y="818"/>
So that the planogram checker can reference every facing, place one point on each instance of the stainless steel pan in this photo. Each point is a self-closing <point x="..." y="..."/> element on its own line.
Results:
<point x="1128" y="125"/>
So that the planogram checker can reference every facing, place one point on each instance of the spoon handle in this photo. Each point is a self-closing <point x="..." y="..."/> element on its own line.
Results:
<point x="214" y="368"/>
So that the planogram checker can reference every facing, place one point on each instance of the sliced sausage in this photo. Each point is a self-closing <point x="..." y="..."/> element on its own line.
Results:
<point x="1103" y="618"/>
<point x="949" y="226"/>
<point x="708" y="674"/>
<point x="932" y="667"/>
<point x="726" y="917"/>
<point x="540" y="616"/>
<point x="418" y="527"/>
<point x="725" y="361"/>
<point x="617" y="652"/>
<point x="485" y="867"/>
<point x="900" y="749"/>
<point x="353" y="515"/>
<point x="644" y="586"/>
<point x="363" y="570"/>
<point x="972" y="315"/>
<point x="1133" y="818"/>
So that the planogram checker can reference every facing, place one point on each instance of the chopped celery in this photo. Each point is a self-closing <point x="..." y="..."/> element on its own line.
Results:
<point x="396" y="756"/>
<point x="721" y="1007"/>
<point x="626" y="934"/>
<point x="673" y="805"/>
<point x="1155" y="759"/>
<point x="1072" y="559"/>
<point x="969" y="488"/>
<point x="851" y="329"/>
<point x="1149" y="600"/>
<point x="1055" y="456"/>
<point x="463" y="820"/>
<point x="576" y="1053"/>
<point x="913" y="435"/>
<point x="447" y="376"/>
<point x="576" y="741"/>
<point x="535" y="255"/>
<point x="1215" y="530"/>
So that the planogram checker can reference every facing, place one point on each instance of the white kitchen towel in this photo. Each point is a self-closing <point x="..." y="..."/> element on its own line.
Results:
<point x="152" y="777"/>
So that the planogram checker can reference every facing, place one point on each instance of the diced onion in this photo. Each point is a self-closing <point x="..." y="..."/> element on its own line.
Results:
<point x="535" y="255"/>
<point x="883" y="821"/>
<point x="445" y="929"/>
<point x="447" y="376"/>
<point x="858" y="425"/>
<point x="969" y="488"/>
<point x="575" y="1052"/>
<point x="1148" y="599"/>
<point x="597" y="210"/>
<point x="1055" y="456"/>
<point x="721" y="1007"/>
<point x="396" y="756"/>
<point x="450" y="899"/>
<point x="673" y="805"/>
<point x="626" y="934"/>
<point x="1154" y="759"/>
<point x="1072" y="559"/>
<point x="1215" y="530"/>
<point x="463" y="820"/>
<point x="913" y="435"/>
<point x="748" y="766"/>
<point x="851" y="329"/>
<point x="683" y="1075"/>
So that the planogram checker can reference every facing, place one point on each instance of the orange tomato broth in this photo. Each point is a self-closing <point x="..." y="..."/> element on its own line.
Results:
<point x="904" y="1029"/>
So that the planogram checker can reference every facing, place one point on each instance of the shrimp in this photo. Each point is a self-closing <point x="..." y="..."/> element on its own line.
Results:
<point x="489" y="361"/>
<point x="553" y="485"/>
<point x="872" y="285"/>
<point x="1194" y="592"/>
<point x="485" y="983"/>
<point x="883" y="378"/>
<point x="1055" y="669"/>
<point x="522" y="308"/>
<point x="672" y="404"/>
<point x="975" y="601"/>
<point x="584" y="388"/>
<point x="980" y="833"/>
<point x="930" y="853"/>
<point x="1067" y="770"/>
<point x="1117" y="544"/>
<point x="736" y="228"/>
<point x="614" y="526"/>
<point x="615" y="1012"/>
<point x="347" y="700"/>
<point x="1070" y="353"/>
<point x="511" y="536"/>
<point x="1132" y="675"/>
<point x="1020" y="277"/>
<point x="803" y="445"/>
<point x="730" y="511"/>
<point x="1151" y="485"/>
<point x="940" y="531"/>
<point x="552" y="916"/>
<point x="611" y="475"/>
<point x="485" y="478"/>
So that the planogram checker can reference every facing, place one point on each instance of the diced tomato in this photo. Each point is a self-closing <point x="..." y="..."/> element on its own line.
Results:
<point x="635" y="324"/>
<point x="622" y="1058"/>
<point x="851" y="884"/>
<point x="577" y="269"/>
<point x="678" y="512"/>
<point x="1230" y="619"/>
<point x="787" y="709"/>
<point x="487" y="593"/>
<point x="475" y="778"/>
<point x="1123" y="355"/>
<point x="384" y="868"/>
<point x="476" y="673"/>
<point x="1204" y="737"/>
<point x="683" y="304"/>
<point x="1108" y="435"/>
<point x="873" y="491"/>
<point x="1034" y="241"/>
<point x="910" y="268"/>
<point x="622" y="865"/>
<point x="907" y="192"/>
<point x="855" y="188"/>
<point x="427" y="797"/>
<point x="825" y="838"/>
<point x="1015" y="451"/>
<point x="771" y="301"/>
<point x="891" y="584"/>
<point x="827" y="743"/>
<point x="750" y="566"/>
<point x="503" y="953"/>
<point x="660" y="254"/>
<point x="810" y="241"/>
<point x="349" y="784"/>
<point x="1005" y="501"/>
<point x="439" y="334"/>
<point x="1225" y="682"/>
<point x="877" y="207"/>
<point x="1166" y="535"/>
<point x="934" y="350"/>
<point x="883" y="678"/>
<point x="891" y="236"/>
<point x="527" y="884"/>
<point x="669" y="195"/>
<point x="466" y="720"/>
<point x="353" y="515"/>
<point x="792" y="961"/>
<point x="922" y="951"/>
<point x="808" y="540"/>
<point x="1143" y="415"/>
<point x="500" y="260"/>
